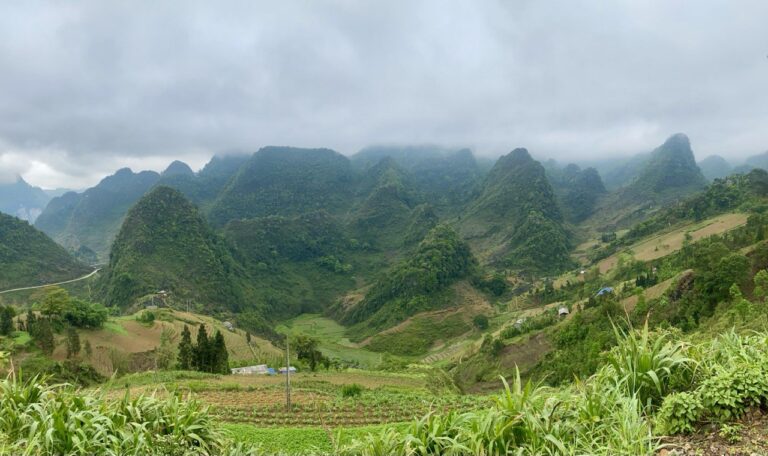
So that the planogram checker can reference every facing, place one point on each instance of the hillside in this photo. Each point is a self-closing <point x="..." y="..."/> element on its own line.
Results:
<point x="93" y="218"/>
<point x="131" y="340"/>
<point x="419" y="283"/>
<point x="715" y="167"/>
<point x="29" y="258"/>
<point x="516" y="222"/>
<point x="671" y="173"/>
<point x="447" y="178"/>
<point x="297" y="264"/>
<point x="22" y="200"/>
<point x="385" y="212"/>
<point x="164" y="244"/>
<point x="286" y="181"/>
<point x="577" y="190"/>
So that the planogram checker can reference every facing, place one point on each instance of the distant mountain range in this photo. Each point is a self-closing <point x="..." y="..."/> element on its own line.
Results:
<point x="290" y="230"/>
<point x="22" y="200"/>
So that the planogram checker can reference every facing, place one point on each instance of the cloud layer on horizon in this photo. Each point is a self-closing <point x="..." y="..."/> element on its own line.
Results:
<point x="91" y="86"/>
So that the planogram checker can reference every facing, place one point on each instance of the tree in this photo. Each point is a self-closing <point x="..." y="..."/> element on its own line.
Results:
<point x="44" y="336"/>
<point x="761" y="284"/>
<point x="220" y="361"/>
<point x="55" y="303"/>
<point x="73" y="343"/>
<point x="83" y="314"/>
<point x="186" y="350"/>
<point x="248" y="337"/>
<point x="6" y="320"/>
<point x="202" y="357"/>
<point x="480" y="321"/>
<point x="87" y="348"/>
<point x="306" y="349"/>
<point x="164" y="353"/>
<point x="31" y="324"/>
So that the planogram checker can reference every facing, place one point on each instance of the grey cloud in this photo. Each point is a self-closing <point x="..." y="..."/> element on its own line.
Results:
<point x="91" y="86"/>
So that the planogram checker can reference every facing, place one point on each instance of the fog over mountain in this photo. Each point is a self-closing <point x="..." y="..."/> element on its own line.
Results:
<point x="90" y="87"/>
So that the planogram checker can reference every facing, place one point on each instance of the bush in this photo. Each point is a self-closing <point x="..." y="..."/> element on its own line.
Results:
<point x="353" y="390"/>
<point x="679" y="413"/>
<point x="480" y="322"/>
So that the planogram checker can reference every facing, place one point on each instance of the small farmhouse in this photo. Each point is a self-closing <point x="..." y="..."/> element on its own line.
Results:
<point x="260" y="369"/>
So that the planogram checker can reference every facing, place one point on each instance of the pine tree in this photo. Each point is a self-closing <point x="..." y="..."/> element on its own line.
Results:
<point x="248" y="337"/>
<point x="220" y="364"/>
<point x="6" y="320"/>
<point x="44" y="336"/>
<point x="186" y="350"/>
<point x="87" y="348"/>
<point x="31" y="323"/>
<point x="73" y="343"/>
<point x="202" y="351"/>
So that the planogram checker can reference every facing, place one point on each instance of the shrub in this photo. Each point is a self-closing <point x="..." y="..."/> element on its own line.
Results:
<point x="679" y="413"/>
<point x="353" y="390"/>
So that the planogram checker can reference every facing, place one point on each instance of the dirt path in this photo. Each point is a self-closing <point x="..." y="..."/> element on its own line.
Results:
<point x="53" y="284"/>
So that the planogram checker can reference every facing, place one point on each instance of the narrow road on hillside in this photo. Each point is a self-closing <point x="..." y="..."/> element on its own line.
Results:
<point x="53" y="284"/>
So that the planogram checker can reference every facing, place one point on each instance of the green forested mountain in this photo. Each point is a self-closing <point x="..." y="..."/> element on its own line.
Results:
<point x="286" y="181"/>
<point x="93" y="218"/>
<point x="22" y="200"/>
<point x="577" y="189"/>
<point x="203" y="187"/>
<point x="416" y="284"/>
<point x="164" y="244"/>
<point x="28" y="257"/>
<point x="516" y="222"/>
<point x="670" y="173"/>
<point x="715" y="167"/>
<point x="446" y="178"/>
<point x="178" y="168"/>
<point x="297" y="264"/>
<point x="389" y="195"/>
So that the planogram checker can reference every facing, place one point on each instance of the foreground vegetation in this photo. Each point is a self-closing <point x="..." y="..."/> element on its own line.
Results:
<point x="651" y="385"/>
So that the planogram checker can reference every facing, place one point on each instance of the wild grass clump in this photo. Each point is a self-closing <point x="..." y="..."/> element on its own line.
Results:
<point x="37" y="419"/>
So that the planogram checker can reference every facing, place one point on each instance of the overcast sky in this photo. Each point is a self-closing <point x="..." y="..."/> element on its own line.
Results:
<point x="88" y="87"/>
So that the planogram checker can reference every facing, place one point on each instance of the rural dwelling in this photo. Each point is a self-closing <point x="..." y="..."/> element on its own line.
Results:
<point x="291" y="369"/>
<point x="260" y="369"/>
<point x="604" y="291"/>
<point x="563" y="311"/>
<point x="229" y="325"/>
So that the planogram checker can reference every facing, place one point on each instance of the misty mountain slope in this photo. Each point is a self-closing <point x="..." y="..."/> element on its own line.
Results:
<point x="202" y="188"/>
<point x="516" y="222"/>
<point x="577" y="190"/>
<point x="22" y="200"/>
<point x="286" y="181"/>
<point x="94" y="217"/>
<point x="165" y="244"/>
<point x="715" y="167"/>
<point x="752" y="162"/>
<point x="670" y="175"/>
<point x="28" y="257"/>
<point x="446" y="178"/>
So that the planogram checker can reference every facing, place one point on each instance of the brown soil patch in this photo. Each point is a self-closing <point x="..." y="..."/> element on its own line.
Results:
<point x="750" y="439"/>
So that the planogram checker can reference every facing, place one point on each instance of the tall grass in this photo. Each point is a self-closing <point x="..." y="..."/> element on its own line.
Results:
<point x="39" y="419"/>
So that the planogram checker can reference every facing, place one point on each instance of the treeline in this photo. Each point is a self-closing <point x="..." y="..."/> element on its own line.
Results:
<point x="207" y="355"/>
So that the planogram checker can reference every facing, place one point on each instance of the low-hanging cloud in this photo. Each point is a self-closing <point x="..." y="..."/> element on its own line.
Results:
<point x="91" y="86"/>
